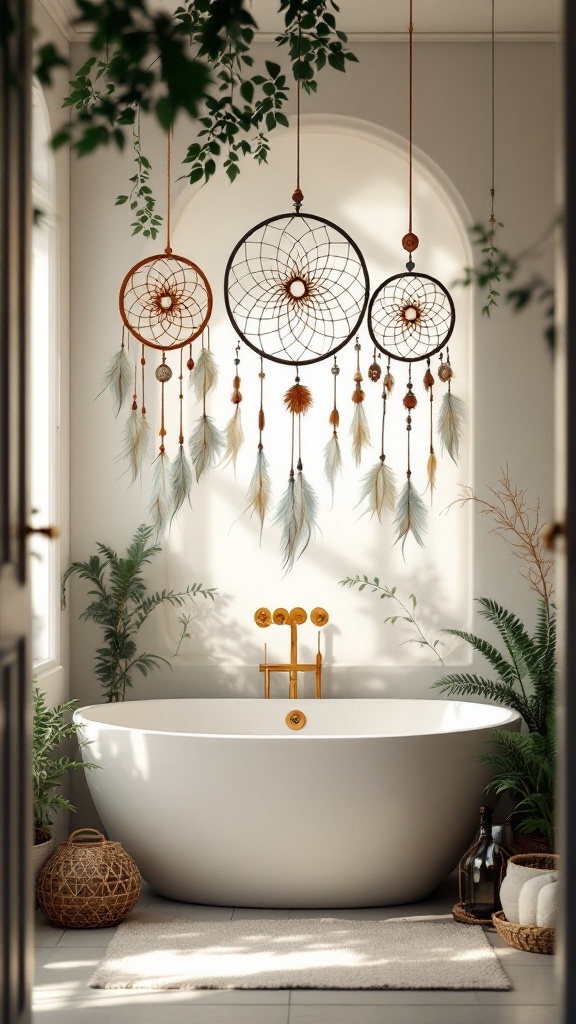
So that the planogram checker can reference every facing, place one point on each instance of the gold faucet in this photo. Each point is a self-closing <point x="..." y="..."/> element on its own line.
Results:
<point x="295" y="618"/>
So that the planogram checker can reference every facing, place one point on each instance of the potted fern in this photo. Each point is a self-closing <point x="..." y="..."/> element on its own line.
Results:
<point x="51" y="727"/>
<point x="524" y="678"/>
<point x="120" y="604"/>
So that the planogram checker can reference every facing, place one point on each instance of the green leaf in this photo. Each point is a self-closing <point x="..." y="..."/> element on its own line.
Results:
<point x="120" y="200"/>
<point x="247" y="91"/>
<point x="272" y="69"/>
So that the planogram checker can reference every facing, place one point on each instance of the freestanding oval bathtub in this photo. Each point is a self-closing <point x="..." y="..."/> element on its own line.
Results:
<point x="371" y="803"/>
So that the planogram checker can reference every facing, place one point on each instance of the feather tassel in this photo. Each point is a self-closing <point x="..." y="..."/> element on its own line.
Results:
<point x="159" y="507"/>
<point x="119" y="378"/>
<point x="205" y="376"/>
<point x="206" y="443"/>
<point x="411" y="515"/>
<point x="234" y="438"/>
<point x="296" y="514"/>
<point x="332" y="461"/>
<point x="360" y="432"/>
<point x="431" y="469"/>
<point x="450" y="420"/>
<point x="180" y="481"/>
<point x="379" y="487"/>
<point x="135" y="443"/>
<point x="259" y="496"/>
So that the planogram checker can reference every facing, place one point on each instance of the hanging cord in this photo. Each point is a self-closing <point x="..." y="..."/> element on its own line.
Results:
<point x="298" y="195"/>
<point x="168" y="249"/>
<point x="261" y="419"/>
<point x="492" y="189"/>
<point x="181" y="397"/>
<point x="143" y="364"/>
<point x="410" y="240"/>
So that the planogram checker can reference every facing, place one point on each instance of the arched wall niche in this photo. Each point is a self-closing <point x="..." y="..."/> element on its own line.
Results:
<point x="355" y="174"/>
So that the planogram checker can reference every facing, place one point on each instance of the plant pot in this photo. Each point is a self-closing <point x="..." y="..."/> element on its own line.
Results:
<point x="529" y="842"/>
<point x="522" y="867"/>
<point x="44" y="845"/>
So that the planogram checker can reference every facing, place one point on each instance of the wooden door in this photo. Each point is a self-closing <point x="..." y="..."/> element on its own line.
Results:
<point x="15" y="666"/>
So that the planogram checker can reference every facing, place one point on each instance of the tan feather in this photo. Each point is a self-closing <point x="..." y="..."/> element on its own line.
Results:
<point x="379" y="487"/>
<point x="332" y="461"/>
<point x="431" y="468"/>
<point x="234" y="438"/>
<point x="259" y="496"/>
<point x="360" y="432"/>
<point x="411" y="515"/>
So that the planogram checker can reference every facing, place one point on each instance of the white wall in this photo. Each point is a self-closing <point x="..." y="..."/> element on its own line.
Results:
<point x="512" y="393"/>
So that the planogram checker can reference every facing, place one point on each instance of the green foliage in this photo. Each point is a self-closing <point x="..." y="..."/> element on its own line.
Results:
<point x="50" y="728"/>
<point x="525" y="768"/>
<point x="120" y="605"/>
<point x="197" y="60"/>
<point x="496" y="265"/>
<point x="525" y="681"/>
<point x="407" y="616"/>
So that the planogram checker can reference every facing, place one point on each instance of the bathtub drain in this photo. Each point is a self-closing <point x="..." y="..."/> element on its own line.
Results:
<point x="295" y="719"/>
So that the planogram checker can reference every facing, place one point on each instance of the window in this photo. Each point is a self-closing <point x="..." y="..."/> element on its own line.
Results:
<point x="44" y="394"/>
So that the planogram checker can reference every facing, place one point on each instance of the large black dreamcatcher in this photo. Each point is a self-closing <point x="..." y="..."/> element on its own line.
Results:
<point x="296" y="289"/>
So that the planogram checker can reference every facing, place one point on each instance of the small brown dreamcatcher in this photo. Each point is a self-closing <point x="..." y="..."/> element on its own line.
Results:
<point x="165" y="303"/>
<point x="296" y="290"/>
<point x="411" y="318"/>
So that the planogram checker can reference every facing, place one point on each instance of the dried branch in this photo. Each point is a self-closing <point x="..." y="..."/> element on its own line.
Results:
<point x="520" y="525"/>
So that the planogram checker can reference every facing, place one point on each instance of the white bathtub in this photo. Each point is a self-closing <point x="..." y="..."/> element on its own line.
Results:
<point x="370" y="804"/>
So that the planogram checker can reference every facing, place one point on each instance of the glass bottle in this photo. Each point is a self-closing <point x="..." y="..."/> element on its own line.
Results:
<point x="481" y="872"/>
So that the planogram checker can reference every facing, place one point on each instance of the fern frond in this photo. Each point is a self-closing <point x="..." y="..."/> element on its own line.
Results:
<point x="466" y="684"/>
<point x="505" y="670"/>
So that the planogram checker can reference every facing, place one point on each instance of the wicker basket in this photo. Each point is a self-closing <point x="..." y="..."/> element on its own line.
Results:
<point x="529" y="842"/>
<point x="524" y="936"/>
<point x="88" y="882"/>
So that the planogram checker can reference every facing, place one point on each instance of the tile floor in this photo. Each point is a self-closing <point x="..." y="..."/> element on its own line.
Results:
<point x="66" y="959"/>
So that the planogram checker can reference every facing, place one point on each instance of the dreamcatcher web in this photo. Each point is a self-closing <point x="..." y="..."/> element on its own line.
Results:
<point x="165" y="301"/>
<point x="296" y="288"/>
<point x="411" y="317"/>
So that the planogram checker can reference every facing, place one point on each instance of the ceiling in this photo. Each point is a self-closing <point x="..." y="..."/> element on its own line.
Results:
<point x="384" y="20"/>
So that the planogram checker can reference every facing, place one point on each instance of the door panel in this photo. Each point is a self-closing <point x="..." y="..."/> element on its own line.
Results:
<point x="15" y="670"/>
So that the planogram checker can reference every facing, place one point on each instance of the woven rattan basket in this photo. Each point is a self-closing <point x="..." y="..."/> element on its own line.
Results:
<point x="89" y="882"/>
<point x="523" y="936"/>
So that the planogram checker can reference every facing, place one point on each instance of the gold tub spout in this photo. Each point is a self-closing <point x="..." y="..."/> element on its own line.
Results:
<point x="295" y="618"/>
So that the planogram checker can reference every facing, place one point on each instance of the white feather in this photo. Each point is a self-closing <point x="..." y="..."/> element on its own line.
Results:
<point x="259" y="496"/>
<point x="206" y="443"/>
<point x="296" y="514"/>
<point x="205" y="374"/>
<point x="379" y="486"/>
<point x="360" y="432"/>
<point x="234" y="438"/>
<point x="160" y="506"/>
<point x="411" y="515"/>
<point x="450" y="422"/>
<point x="119" y="378"/>
<point x="332" y="461"/>
<point x="135" y="442"/>
<point x="180" y="481"/>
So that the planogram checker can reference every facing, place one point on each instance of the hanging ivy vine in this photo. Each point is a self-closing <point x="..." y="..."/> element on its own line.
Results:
<point x="199" y="61"/>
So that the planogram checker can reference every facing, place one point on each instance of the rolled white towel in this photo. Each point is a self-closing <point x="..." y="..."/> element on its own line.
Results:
<point x="547" y="905"/>
<point x="528" y="898"/>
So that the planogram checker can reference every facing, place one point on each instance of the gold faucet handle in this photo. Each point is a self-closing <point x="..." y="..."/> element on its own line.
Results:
<point x="298" y="616"/>
<point x="319" y="616"/>
<point x="262" y="617"/>
<point x="281" y="617"/>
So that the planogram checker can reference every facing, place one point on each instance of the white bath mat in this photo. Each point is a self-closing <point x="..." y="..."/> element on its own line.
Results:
<point x="300" y="953"/>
